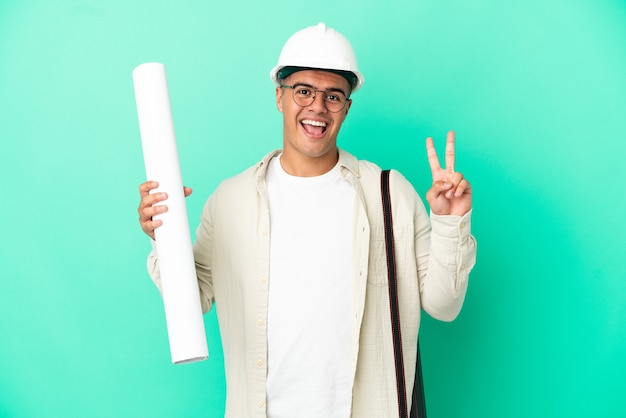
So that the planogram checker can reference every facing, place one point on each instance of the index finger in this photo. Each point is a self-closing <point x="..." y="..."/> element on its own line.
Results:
<point x="450" y="152"/>
<point x="144" y="188"/>
<point x="433" y="160"/>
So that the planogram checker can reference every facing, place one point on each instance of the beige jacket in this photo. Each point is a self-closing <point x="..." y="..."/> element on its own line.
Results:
<point x="232" y="262"/>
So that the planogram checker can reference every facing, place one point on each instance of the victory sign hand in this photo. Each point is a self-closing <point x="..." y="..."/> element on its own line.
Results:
<point x="450" y="193"/>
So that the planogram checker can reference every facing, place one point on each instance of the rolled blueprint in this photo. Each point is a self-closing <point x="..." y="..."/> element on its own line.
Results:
<point x="181" y="299"/>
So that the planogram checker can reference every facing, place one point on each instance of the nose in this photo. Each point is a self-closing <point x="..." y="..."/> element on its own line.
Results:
<point x="318" y="105"/>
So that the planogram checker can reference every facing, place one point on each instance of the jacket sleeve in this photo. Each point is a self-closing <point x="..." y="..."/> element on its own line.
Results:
<point x="446" y="253"/>
<point x="153" y="267"/>
<point x="202" y="256"/>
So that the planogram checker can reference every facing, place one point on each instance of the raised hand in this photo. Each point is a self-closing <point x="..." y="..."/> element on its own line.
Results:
<point x="450" y="193"/>
<point x="148" y="206"/>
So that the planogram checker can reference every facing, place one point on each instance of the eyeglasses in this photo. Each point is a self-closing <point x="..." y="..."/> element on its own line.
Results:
<point x="304" y="95"/>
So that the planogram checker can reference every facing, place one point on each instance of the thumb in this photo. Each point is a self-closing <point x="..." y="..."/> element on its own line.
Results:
<point x="436" y="189"/>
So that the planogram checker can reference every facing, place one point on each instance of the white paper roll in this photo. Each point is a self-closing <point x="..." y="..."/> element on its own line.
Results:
<point x="183" y="313"/>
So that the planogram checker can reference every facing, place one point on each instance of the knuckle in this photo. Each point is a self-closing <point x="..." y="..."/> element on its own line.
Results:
<point x="146" y="214"/>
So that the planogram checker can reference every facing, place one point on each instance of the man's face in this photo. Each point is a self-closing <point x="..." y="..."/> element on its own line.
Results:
<point x="310" y="132"/>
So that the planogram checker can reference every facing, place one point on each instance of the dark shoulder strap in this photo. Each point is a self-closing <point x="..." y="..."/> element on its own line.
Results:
<point x="418" y="407"/>
<point x="393" y="296"/>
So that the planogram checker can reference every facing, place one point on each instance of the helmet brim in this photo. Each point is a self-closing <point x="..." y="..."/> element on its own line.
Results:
<point x="281" y="72"/>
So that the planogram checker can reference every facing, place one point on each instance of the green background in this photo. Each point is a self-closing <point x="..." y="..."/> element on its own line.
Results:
<point x="536" y="91"/>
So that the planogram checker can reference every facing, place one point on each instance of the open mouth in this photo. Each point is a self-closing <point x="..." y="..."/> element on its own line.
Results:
<point x="315" y="128"/>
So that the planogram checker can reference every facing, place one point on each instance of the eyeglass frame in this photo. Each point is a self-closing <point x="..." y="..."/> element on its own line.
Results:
<point x="325" y="92"/>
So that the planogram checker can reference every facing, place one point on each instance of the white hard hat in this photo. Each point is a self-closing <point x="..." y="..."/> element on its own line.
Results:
<point x="318" y="47"/>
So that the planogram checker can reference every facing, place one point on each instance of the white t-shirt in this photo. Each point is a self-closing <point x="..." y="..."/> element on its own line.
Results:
<point x="310" y="294"/>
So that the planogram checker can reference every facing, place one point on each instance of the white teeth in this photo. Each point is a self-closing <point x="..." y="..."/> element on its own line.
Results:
<point x="314" y="122"/>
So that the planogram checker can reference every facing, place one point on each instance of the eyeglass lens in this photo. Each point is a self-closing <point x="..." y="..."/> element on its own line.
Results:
<point x="305" y="95"/>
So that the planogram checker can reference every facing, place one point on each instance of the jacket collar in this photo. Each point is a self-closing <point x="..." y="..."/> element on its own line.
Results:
<point x="347" y="161"/>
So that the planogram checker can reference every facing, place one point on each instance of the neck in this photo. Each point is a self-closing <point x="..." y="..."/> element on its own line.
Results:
<point x="302" y="166"/>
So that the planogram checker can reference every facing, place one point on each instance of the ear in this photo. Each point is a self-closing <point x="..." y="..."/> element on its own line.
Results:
<point x="347" y="107"/>
<point x="279" y="98"/>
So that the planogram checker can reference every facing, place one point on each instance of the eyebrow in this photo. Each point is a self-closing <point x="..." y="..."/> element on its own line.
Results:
<point x="329" y="90"/>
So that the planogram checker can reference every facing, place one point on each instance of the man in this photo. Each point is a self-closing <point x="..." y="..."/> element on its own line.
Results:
<point x="292" y="252"/>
